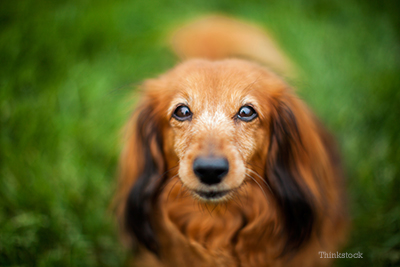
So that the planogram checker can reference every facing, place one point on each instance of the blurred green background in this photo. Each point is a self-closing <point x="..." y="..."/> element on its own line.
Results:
<point x="67" y="72"/>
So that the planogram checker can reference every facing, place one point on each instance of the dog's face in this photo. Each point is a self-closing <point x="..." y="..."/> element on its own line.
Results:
<point x="215" y="117"/>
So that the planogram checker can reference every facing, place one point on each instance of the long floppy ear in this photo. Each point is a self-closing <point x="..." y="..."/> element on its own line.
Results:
<point x="141" y="176"/>
<point x="283" y="167"/>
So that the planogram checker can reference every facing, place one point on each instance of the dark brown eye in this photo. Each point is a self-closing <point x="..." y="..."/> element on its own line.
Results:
<point x="182" y="113"/>
<point x="246" y="113"/>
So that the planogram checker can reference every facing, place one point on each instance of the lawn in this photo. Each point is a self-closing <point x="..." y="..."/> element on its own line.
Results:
<point x="69" y="69"/>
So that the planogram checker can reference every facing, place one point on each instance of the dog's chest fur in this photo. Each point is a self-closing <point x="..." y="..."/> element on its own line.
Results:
<point x="222" y="235"/>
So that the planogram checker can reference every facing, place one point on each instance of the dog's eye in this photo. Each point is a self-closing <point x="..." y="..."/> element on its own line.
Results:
<point x="247" y="113"/>
<point x="182" y="113"/>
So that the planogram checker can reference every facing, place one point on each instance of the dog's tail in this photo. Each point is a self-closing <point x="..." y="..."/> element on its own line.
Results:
<point x="218" y="37"/>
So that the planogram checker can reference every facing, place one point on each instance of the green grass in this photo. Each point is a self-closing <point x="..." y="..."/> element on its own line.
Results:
<point x="68" y="69"/>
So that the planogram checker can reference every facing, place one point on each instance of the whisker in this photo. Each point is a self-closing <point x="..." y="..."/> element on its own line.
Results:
<point x="226" y="208"/>
<point x="194" y="204"/>
<point x="170" y="169"/>
<point x="198" y="206"/>
<point x="173" y="185"/>
<point x="255" y="166"/>
<point x="269" y="188"/>
<point x="179" y="193"/>
<point x="201" y="208"/>
<point x="258" y="185"/>
<point x="240" y="200"/>
<point x="215" y="205"/>
<point x="169" y="179"/>
<point x="246" y="191"/>
<point x="234" y="199"/>
<point x="184" y="192"/>
<point x="252" y="83"/>
<point x="208" y="209"/>
<point x="235" y="196"/>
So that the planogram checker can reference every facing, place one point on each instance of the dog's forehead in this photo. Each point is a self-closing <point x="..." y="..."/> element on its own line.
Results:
<point x="216" y="87"/>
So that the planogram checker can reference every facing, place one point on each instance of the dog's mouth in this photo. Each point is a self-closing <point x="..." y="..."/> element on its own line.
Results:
<point x="212" y="195"/>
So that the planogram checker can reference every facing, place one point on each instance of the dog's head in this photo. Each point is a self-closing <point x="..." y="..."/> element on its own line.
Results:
<point x="217" y="125"/>
<point x="214" y="126"/>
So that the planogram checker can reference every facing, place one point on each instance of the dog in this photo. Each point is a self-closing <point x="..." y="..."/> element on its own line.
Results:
<point x="223" y="165"/>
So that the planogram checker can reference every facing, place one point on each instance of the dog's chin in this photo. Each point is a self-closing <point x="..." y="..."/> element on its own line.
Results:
<point x="214" y="196"/>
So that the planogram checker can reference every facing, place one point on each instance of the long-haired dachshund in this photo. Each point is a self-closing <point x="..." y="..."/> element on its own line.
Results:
<point x="224" y="165"/>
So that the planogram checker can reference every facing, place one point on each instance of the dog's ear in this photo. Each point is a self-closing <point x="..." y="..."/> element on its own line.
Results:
<point x="284" y="170"/>
<point x="141" y="176"/>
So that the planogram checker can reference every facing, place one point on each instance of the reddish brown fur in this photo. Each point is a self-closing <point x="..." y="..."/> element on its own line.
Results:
<point x="246" y="228"/>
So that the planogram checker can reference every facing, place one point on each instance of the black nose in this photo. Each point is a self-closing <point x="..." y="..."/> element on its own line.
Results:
<point x="210" y="170"/>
